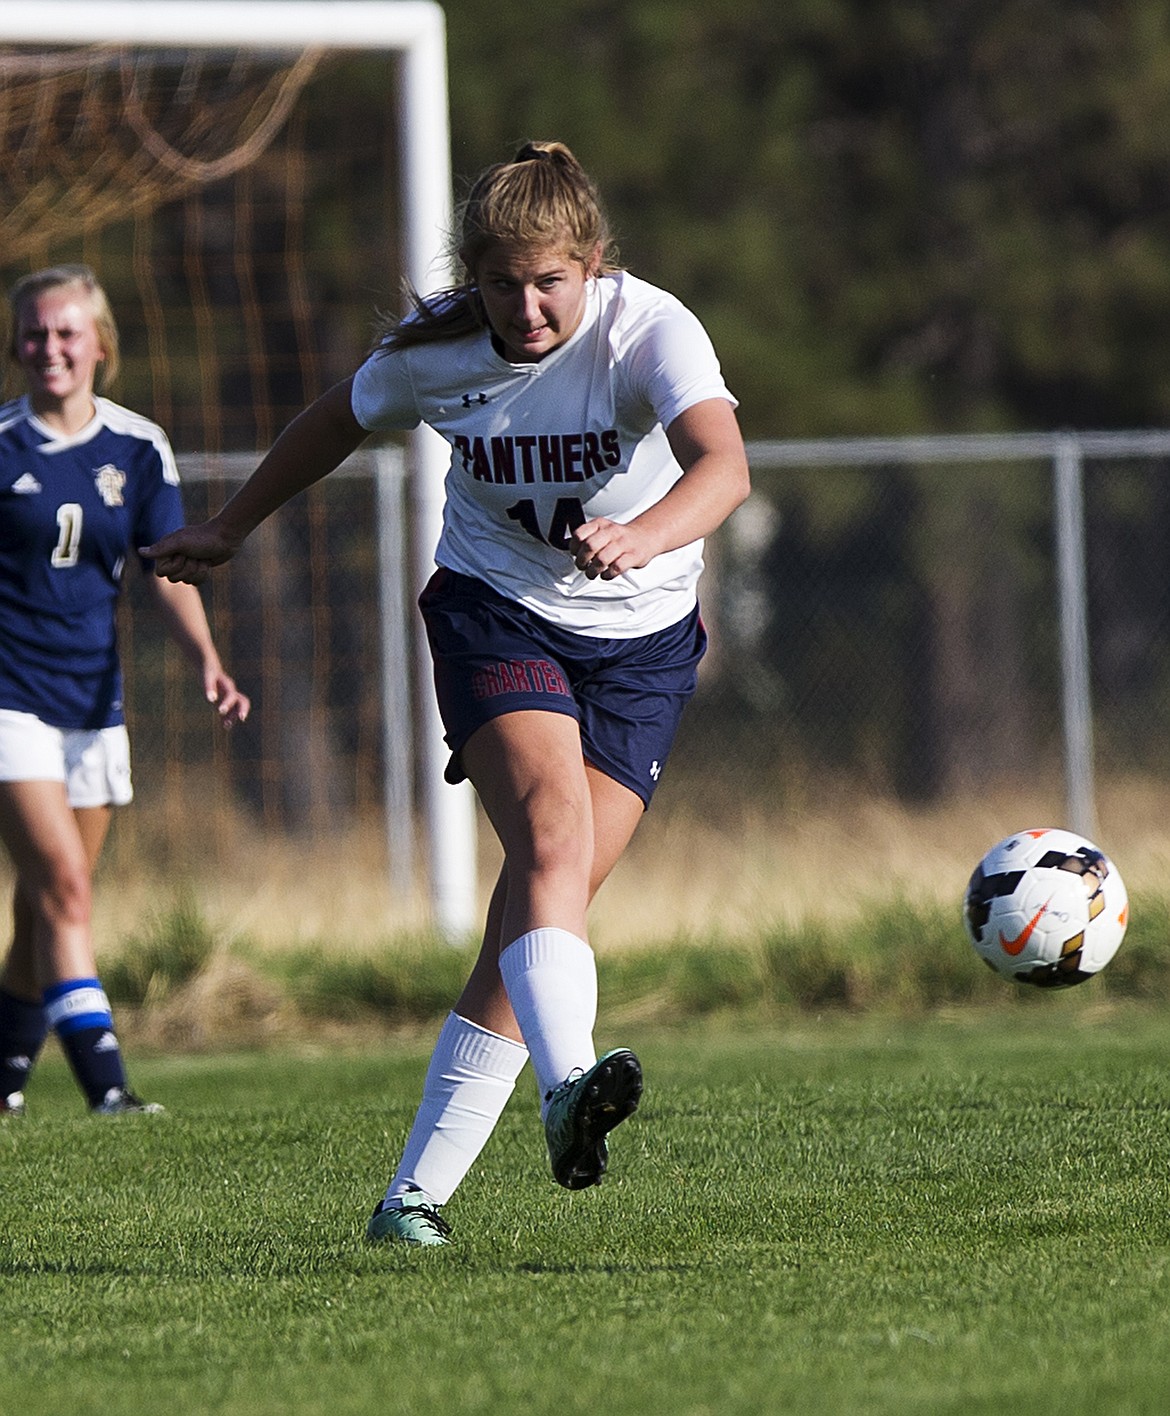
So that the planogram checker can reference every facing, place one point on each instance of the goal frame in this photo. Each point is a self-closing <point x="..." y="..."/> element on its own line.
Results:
<point x="413" y="34"/>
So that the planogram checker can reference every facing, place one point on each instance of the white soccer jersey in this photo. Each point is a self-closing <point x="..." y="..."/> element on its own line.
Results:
<point x="537" y="449"/>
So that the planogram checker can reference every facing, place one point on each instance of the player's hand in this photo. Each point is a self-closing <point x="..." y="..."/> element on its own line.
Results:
<point x="189" y="554"/>
<point x="606" y="549"/>
<point x="231" y="705"/>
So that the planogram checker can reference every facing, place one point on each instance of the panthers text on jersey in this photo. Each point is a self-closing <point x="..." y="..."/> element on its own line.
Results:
<point x="71" y="508"/>
<point x="537" y="449"/>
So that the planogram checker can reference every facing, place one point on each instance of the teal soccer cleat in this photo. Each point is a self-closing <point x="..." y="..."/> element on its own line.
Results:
<point x="120" y="1102"/>
<point x="418" y="1222"/>
<point x="581" y="1113"/>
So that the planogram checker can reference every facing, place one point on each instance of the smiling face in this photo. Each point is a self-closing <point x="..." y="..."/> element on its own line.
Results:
<point x="59" y="348"/>
<point x="534" y="298"/>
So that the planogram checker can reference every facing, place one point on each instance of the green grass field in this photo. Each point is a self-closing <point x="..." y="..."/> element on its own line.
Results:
<point x="830" y="1216"/>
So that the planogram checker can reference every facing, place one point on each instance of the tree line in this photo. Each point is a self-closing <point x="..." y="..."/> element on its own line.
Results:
<point x="893" y="216"/>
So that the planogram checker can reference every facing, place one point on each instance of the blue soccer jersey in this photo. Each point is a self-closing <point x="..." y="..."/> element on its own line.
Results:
<point x="71" y="508"/>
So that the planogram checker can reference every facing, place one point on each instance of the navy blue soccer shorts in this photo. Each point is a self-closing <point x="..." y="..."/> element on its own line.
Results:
<point x="493" y="656"/>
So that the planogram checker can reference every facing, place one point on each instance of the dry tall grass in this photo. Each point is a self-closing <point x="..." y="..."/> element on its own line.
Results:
<point x="831" y="859"/>
<point x="691" y="870"/>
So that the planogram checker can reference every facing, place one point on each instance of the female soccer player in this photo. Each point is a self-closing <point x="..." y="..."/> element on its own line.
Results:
<point x="82" y="482"/>
<point x="593" y="445"/>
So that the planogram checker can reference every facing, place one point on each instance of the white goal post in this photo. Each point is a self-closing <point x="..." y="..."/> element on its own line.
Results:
<point x="412" y="33"/>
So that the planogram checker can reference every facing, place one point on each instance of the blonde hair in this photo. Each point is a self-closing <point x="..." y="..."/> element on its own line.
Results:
<point x="63" y="276"/>
<point x="542" y="197"/>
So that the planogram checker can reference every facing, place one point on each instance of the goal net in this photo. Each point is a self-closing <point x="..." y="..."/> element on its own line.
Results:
<point x="253" y="182"/>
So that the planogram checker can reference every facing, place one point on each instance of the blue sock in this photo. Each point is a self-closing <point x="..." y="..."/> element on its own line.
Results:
<point x="79" y="1012"/>
<point x="23" y="1029"/>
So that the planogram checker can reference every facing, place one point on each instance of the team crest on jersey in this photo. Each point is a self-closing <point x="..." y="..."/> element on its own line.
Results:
<point x="110" y="481"/>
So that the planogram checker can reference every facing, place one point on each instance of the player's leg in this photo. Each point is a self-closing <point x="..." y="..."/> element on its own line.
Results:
<point x="472" y="1073"/>
<point x="67" y="952"/>
<point x="54" y="849"/>
<point x="42" y="836"/>
<point x="528" y="771"/>
<point x="479" y="1056"/>
<point x="54" y="948"/>
<point x="530" y="774"/>
<point x="480" y="1053"/>
<point x="27" y="748"/>
<point x="616" y="812"/>
<point x="484" y="999"/>
<point x="629" y="700"/>
<point x="23" y="1028"/>
<point x="595" y="1095"/>
<point x="97" y="766"/>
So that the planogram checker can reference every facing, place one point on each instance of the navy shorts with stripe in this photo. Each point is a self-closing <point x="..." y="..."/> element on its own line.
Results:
<point x="494" y="656"/>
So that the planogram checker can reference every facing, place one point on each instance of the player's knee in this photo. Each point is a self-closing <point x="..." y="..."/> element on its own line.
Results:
<point x="557" y="842"/>
<point x="561" y="854"/>
<point x="65" y="895"/>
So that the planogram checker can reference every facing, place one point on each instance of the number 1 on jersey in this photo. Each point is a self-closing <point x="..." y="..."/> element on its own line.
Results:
<point x="68" y="548"/>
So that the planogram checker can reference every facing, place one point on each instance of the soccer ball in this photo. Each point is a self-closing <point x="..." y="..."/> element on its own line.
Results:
<point x="1046" y="907"/>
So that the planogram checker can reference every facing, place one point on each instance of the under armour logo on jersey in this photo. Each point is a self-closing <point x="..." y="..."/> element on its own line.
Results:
<point x="655" y="769"/>
<point x="109" y="481"/>
<point x="26" y="484"/>
<point x="470" y="398"/>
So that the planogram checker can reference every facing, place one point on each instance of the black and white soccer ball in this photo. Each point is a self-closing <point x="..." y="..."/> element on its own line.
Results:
<point x="1046" y="907"/>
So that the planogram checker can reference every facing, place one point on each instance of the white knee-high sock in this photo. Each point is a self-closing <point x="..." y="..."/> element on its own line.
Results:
<point x="550" y="977"/>
<point x="471" y="1075"/>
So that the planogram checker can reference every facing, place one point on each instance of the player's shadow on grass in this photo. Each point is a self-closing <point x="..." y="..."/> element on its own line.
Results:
<point x="170" y="1271"/>
<point x="640" y="1267"/>
<point x="75" y="1268"/>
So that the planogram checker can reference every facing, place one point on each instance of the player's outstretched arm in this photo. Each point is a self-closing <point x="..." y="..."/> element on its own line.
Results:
<point x="312" y="445"/>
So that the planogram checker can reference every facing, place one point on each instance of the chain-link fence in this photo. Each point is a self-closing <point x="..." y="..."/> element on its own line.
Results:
<point x="899" y="629"/>
<point x="933" y="615"/>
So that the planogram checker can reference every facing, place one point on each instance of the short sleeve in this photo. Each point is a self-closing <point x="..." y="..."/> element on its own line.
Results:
<point x="383" y="398"/>
<point x="159" y="508"/>
<point x="673" y="364"/>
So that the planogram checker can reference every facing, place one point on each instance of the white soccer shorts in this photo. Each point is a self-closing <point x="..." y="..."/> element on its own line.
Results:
<point x="93" y="763"/>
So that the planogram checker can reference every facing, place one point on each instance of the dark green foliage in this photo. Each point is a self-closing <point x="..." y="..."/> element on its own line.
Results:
<point x="892" y="217"/>
<point x="408" y="981"/>
<point x="173" y="949"/>
<point x="1141" y="967"/>
<point x="681" y="979"/>
<point x="899" y="957"/>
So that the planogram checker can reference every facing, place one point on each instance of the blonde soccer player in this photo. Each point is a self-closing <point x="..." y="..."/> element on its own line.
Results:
<point x="593" y="446"/>
<point x="83" y="482"/>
